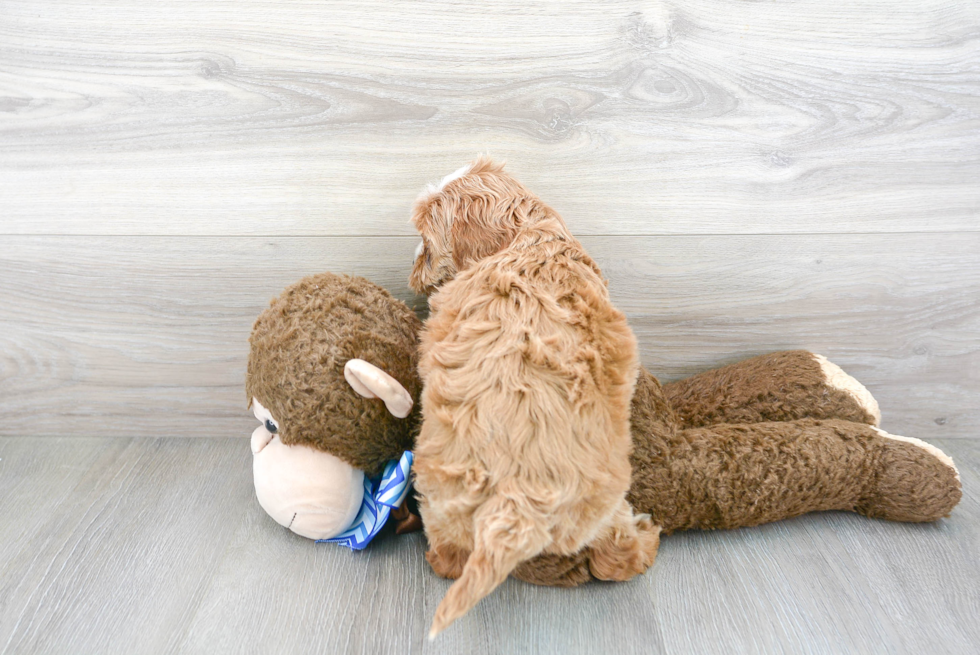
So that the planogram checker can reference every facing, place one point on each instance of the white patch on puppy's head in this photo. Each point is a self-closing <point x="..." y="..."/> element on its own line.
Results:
<point x="432" y="189"/>
<point x="454" y="176"/>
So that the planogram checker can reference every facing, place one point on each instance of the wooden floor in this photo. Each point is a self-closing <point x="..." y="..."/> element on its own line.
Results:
<point x="751" y="176"/>
<point x="159" y="546"/>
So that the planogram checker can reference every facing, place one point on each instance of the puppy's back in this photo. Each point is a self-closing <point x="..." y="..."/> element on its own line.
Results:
<point x="528" y="373"/>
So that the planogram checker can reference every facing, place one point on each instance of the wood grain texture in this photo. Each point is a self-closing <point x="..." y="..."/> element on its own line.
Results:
<point x="694" y="117"/>
<point x="118" y="563"/>
<point x="142" y="336"/>
<point x="751" y="176"/>
<point x="159" y="546"/>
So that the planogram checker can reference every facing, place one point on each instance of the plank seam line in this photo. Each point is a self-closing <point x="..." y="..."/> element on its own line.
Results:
<point x="413" y="236"/>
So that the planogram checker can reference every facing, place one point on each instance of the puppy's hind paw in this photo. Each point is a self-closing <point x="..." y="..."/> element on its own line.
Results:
<point x="625" y="551"/>
<point x="447" y="560"/>
<point x="649" y="537"/>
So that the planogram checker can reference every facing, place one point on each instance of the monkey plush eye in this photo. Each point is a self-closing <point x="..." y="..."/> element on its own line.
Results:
<point x="265" y="417"/>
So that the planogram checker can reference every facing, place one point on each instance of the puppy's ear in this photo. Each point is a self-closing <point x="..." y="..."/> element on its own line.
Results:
<point x="480" y="228"/>
<point x="431" y="260"/>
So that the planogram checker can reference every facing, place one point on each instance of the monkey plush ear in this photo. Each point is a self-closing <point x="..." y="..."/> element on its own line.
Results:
<point x="371" y="382"/>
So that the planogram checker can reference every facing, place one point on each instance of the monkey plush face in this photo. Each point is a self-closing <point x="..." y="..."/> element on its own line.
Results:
<point x="309" y="491"/>
<point x="332" y="380"/>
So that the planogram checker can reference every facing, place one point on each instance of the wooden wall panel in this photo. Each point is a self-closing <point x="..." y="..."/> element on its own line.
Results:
<point x="694" y="117"/>
<point x="754" y="176"/>
<point x="147" y="336"/>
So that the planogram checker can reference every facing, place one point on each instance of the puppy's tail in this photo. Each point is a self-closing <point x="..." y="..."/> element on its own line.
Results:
<point x="503" y="538"/>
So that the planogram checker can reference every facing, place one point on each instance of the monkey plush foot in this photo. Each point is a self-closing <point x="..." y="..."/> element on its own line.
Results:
<point x="915" y="481"/>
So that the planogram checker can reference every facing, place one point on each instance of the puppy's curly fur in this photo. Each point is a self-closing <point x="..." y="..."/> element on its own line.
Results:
<point x="528" y="371"/>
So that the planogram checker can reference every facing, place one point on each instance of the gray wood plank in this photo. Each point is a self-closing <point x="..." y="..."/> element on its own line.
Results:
<point x="703" y="116"/>
<point x="160" y="547"/>
<point x="899" y="312"/>
<point x="306" y="598"/>
<point x="34" y="482"/>
<point x="120" y="563"/>
<point x="148" y="337"/>
<point x="122" y="336"/>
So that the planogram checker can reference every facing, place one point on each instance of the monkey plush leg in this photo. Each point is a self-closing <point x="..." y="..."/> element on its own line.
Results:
<point x="781" y="386"/>
<point x="555" y="570"/>
<point x="729" y="476"/>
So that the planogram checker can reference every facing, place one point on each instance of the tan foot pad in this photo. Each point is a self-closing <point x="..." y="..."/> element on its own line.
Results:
<point x="928" y="447"/>
<point x="838" y="379"/>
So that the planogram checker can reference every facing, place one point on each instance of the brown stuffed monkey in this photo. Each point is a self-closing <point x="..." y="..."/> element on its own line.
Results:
<point x="768" y="438"/>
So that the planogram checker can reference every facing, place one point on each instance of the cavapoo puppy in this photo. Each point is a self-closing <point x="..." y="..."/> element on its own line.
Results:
<point x="528" y="371"/>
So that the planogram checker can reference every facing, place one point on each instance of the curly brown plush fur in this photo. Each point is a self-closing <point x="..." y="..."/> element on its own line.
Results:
<point x="780" y="386"/>
<point x="299" y="347"/>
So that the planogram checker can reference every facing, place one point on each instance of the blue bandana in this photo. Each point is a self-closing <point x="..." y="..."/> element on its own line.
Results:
<point x="381" y="495"/>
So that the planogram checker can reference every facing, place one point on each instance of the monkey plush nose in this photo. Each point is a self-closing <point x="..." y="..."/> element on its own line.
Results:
<point x="260" y="439"/>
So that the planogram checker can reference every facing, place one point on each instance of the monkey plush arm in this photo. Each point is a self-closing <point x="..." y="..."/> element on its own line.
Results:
<point x="781" y="386"/>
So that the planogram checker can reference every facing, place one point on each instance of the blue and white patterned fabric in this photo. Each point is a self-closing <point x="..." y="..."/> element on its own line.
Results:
<point x="381" y="495"/>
